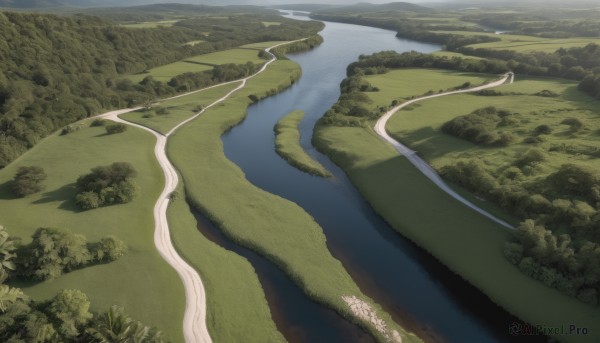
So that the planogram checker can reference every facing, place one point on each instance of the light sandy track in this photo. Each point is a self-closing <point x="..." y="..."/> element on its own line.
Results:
<point x="194" y="322"/>
<point x="419" y="163"/>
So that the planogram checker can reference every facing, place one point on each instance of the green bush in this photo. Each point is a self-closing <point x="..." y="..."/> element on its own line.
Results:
<point x="106" y="185"/>
<point x="98" y="122"/>
<point x="110" y="248"/>
<point x="116" y="128"/>
<point x="28" y="180"/>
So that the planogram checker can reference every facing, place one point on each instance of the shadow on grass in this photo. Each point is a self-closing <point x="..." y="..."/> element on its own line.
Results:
<point x="432" y="143"/>
<point x="6" y="192"/>
<point x="64" y="194"/>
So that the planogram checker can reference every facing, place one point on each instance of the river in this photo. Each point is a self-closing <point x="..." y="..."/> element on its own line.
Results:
<point x="419" y="292"/>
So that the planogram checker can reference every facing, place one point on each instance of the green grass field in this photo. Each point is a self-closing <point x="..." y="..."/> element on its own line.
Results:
<point x="420" y="127"/>
<point x="400" y="84"/>
<point x="275" y="227"/>
<point x="261" y="45"/>
<point x="450" y="54"/>
<point x="178" y="109"/>
<point x="522" y="43"/>
<point x="236" y="56"/>
<point x="142" y="282"/>
<point x="167" y="72"/>
<point x="466" y="242"/>
<point x="237" y="310"/>
<point x="287" y="145"/>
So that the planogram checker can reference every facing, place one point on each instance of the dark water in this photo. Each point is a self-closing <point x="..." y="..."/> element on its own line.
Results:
<point x="420" y="292"/>
<point x="296" y="316"/>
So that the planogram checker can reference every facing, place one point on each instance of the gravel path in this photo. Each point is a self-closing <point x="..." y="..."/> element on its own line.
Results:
<point x="419" y="163"/>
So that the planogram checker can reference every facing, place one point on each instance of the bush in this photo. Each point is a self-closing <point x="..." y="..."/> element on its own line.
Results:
<point x="87" y="200"/>
<point x="574" y="123"/>
<point x="28" y="180"/>
<point x="106" y="185"/>
<point x="543" y="130"/>
<point x="116" y="128"/>
<point x="161" y="111"/>
<point x="69" y="129"/>
<point x="110" y="248"/>
<point x="98" y="122"/>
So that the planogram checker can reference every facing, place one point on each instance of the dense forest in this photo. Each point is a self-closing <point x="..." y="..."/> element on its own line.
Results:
<point x="558" y="241"/>
<point x="60" y="69"/>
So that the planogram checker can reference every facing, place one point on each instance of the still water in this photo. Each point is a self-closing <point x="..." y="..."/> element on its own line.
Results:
<point x="417" y="290"/>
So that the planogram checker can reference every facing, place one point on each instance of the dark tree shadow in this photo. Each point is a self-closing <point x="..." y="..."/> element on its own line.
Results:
<point x="65" y="195"/>
<point x="6" y="192"/>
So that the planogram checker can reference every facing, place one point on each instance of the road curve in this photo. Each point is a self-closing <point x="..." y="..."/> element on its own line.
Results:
<point x="194" y="322"/>
<point x="419" y="163"/>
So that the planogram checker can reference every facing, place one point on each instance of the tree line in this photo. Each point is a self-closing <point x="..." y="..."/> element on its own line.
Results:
<point x="60" y="69"/>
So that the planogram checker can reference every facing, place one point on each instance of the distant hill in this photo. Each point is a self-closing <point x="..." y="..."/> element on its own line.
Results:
<point x="367" y="7"/>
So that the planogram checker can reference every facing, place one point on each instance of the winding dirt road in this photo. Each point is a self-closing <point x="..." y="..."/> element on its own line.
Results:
<point x="419" y="163"/>
<point x="194" y="322"/>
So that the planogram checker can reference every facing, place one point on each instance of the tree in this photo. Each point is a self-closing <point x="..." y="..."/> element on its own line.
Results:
<point x="28" y="180"/>
<point x="70" y="309"/>
<point x="116" y="128"/>
<point x="116" y="326"/>
<point x="9" y="295"/>
<point x="110" y="248"/>
<point x="7" y="254"/>
<point x="54" y="251"/>
<point x="106" y="185"/>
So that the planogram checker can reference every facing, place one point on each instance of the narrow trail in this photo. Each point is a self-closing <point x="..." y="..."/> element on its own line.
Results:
<point x="194" y="323"/>
<point x="420" y="164"/>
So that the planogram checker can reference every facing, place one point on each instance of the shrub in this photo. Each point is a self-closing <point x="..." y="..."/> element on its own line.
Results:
<point x="574" y="123"/>
<point x="161" y="111"/>
<point x="69" y="129"/>
<point x="106" y="185"/>
<point x="116" y="128"/>
<point x="98" y="122"/>
<point x="543" y="130"/>
<point x="28" y="180"/>
<point x="110" y="248"/>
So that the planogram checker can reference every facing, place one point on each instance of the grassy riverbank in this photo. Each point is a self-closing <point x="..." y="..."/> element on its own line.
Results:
<point x="275" y="227"/>
<point x="287" y="145"/>
<point x="237" y="310"/>
<point x="148" y="288"/>
<point x="466" y="242"/>
<point x="165" y="115"/>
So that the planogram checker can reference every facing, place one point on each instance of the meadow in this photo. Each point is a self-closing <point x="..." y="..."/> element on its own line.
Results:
<point x="133" y="280"/>
<point x="466" y="242"/>
<point x="276" y="228"/>
<point x="151" y="24"/>
<point x="287" y="145"/>
<point x="236" y="56"/>
<point x="165" y="115"/>
<point x="398" y="84"/>
<point x="522" y="43"/>
<point x="237" y="310"/>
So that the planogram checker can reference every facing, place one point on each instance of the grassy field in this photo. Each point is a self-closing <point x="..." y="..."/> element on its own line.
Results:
<point x="275" y="227"/>
<point x="399" y="84"/>
<point x="420" y="127"/>
<point x="287" y="145"/>
<point x="178" y="109"/>
<point x="236" y="307"/>
<point x="522" y="43"/>
<point x="466" y="242"/>
<point x="450" y="54"/>
<point x="236" y="56"/>
<point x="167" y="72"/>
<point x="142" y="282"/>
<point x="261" y="45"/>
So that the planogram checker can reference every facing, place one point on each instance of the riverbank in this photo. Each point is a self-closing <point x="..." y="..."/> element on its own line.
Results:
<point x="276" y="228"/>
<point x="466" y="242"/>
<point x="287" y="145"/>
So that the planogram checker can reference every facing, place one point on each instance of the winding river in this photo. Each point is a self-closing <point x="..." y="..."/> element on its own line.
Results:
<point x="417" y="290"/>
